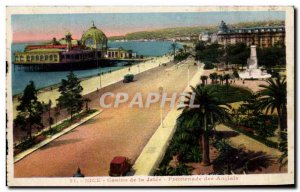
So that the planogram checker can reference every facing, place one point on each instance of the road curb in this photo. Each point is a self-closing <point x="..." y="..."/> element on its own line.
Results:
<point x="48" y="140"/>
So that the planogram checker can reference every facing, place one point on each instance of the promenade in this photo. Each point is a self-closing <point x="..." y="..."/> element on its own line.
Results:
<point x="155" y="149"/>
<point x="116" y="131"/>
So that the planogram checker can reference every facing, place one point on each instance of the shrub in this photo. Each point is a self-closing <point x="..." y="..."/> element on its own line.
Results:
<point x="184" y="144"/>
<point x="181" y="169"/>
<point x="181" y="56"/>
<point x="263" y="140"/>
<point x="194" y="155"/>
<point x="262" y="125"/>
<point x="208" y="65"/>
<point x="235" y="74"/>
<point x="238" y="160"/>
<point x="230" y="94"/>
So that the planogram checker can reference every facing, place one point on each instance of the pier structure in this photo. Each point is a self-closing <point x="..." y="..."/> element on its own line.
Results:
<point x="70" y="54"/>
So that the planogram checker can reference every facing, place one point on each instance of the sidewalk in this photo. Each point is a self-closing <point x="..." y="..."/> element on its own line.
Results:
<point x="155" y="149"/>
<point x="48" y="140"/>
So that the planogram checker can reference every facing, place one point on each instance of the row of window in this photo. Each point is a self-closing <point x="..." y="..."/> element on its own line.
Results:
<point x="269" y="39"/>
<point x="78" y="56"/>
<point x="116" y="54"/>
<point x="36" y="58"/>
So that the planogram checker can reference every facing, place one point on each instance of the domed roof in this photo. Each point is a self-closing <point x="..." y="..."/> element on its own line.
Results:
<point x="96" y="34"/>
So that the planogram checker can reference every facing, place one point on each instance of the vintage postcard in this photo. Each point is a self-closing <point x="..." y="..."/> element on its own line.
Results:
<point x="150" y="96"/>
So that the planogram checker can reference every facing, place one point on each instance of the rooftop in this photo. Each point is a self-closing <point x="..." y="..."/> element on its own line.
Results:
<point x="224" y="29"/>
<point x="44" y="50"/>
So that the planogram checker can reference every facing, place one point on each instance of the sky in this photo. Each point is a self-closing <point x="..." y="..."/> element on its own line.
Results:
<point x="39" y="27"/>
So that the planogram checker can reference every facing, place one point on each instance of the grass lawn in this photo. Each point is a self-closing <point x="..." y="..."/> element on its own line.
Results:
<point x="230" y="94"/>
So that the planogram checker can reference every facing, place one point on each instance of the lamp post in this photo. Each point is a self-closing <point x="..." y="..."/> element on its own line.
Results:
<point x="100" y="80"/>
<point x="188" y="75"/>
<point x="161" y="108"/>
<point x="98" y="66"/>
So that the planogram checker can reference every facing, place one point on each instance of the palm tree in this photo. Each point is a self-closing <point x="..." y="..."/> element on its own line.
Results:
<point x="204" y="79"/>
<point x="47" y="108"/>
<point x="221" y="78"/>
<point x="207" y="115"/>
<point x="173" y="47"/>
<point x="56" y="113"/>
<point x="181" y="51"/>
<point x="283" y="147"/>
<point x="226" y="78"/>
<point x="213" y="77"/>
<point x="184" y="48"/>
<point x="274" y="96"/>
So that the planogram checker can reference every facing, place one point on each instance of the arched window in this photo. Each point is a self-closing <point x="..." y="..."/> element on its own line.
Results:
<point x="42" y="57"/>
<point x="22" y="58"/>
<point x="51" y="57"/>
<point x="46" y="57"/>
<point x="37" y="58"/>
<point x="17" y="58"/>
<point x="28" y="58"/>
<point x="55" y="57"/>
<point x="32" y="58"/>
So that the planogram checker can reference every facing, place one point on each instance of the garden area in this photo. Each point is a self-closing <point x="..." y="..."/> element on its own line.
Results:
<point x="197" y="147"/>
<point x="236" y="55"/>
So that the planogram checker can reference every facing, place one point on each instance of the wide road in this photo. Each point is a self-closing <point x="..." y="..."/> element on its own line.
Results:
<point x="116" y="131"/>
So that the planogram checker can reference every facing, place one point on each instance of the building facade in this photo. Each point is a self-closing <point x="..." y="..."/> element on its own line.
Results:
<point x="259" y="36"/>
<point x="120" y="53"/>
<point x="204" y="37"/>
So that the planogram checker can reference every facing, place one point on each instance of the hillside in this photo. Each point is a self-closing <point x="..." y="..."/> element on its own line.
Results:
<point x="187" y="31"/>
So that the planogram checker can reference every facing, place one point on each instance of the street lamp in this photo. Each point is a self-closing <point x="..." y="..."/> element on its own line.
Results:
<point x="98" y="69"/>
<point x="188" y="74"/>
<point x="160" y="89"/>
<point x="100" y="80"/>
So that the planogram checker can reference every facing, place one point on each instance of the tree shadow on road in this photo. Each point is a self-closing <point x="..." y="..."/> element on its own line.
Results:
<point x="227" y="134"/>
<point x="94" y="120"/>
<point x="57" y="143"/>
<point x="241" y="161"/>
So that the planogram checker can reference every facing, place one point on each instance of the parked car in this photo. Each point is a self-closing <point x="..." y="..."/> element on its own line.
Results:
<point x="119" y="166"/>
<point x="128" y="78"/>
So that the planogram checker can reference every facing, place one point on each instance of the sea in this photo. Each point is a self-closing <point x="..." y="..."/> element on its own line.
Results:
<point x="44" y="79"/>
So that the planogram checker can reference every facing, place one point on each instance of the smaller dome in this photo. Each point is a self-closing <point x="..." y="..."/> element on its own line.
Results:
<point x="68" y="33"/>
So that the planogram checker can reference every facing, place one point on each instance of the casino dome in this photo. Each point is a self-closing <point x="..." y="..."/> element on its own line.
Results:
<point x="94" y="38"/>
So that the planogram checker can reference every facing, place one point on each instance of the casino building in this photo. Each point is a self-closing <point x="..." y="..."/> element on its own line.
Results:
<point x="67" y="52"/>
<point x="260" y="36"/>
